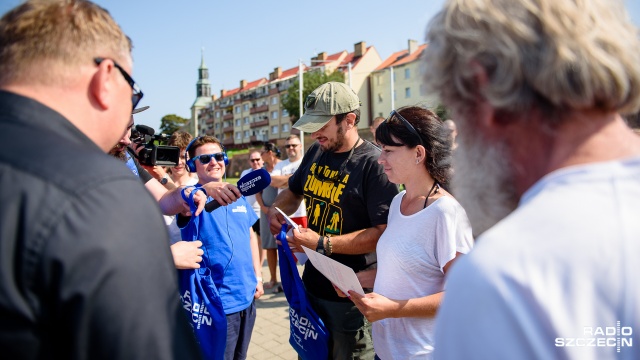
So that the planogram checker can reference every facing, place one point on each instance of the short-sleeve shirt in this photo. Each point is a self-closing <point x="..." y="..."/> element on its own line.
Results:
<point x="358" y="199"/>
<point x="226" y="242"/>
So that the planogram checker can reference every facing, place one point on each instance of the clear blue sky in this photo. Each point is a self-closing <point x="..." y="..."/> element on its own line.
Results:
<point x="247" y="39"/>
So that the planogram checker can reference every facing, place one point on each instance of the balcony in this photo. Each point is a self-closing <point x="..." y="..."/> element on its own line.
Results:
<point x="259" y="138"/>
<point x="256" y="124"/>
<point x="227" y="142"/>
<point x="257" y="109"/>
<point x="227" y="129"/>
<point x="228" y="116"/>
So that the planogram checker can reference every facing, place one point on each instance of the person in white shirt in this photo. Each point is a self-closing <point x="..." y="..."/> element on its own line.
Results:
<point x="255" y="163"/>
<point x="280" y="179"/>
<point x="426" y="232"/>
<point x="549" y="174"/>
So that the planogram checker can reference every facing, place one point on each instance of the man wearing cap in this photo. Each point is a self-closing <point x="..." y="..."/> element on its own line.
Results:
<point x="347" y="196"/>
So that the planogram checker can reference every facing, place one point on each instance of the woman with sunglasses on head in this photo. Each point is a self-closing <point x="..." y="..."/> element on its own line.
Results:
<point x="426" y="231"/>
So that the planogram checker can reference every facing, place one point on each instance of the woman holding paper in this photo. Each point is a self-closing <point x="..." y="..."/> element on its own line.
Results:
<point x="426" y="231"/>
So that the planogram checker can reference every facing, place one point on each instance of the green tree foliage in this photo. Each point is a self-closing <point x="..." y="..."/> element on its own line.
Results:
<point x="171" y="123"/>
<point x="311" y="81"/>
<point x="442" y="112"/>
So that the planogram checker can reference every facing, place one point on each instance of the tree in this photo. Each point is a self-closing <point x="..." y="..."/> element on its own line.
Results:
<point x="442" y="112"/>
<point x="312" y="80"/>
<point x="171" y="123"/>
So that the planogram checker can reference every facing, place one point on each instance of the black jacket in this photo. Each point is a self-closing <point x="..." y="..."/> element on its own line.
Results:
<point x="85" y="265"/>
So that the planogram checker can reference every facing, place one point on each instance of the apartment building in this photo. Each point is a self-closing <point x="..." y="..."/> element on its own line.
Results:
<point x="252" y="113"/>
<point x="397" y="82"/>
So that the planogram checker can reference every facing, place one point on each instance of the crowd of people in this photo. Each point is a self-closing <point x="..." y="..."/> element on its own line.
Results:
<point x="514" y="235"/>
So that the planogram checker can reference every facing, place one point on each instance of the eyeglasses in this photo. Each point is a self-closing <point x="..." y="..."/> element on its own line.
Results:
<point x="395" y="115"/>
<point x="206" y="158"/>
<point x="291" y="145"/>
<point x="255" y="160"/>
<point x="137" y="93"/>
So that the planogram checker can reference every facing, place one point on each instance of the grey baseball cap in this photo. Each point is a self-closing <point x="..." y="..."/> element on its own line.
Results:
<point x="324" y="102"/>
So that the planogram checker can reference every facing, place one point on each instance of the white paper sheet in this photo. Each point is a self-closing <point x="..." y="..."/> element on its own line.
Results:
<point x="302" y="257"/>
<point x="340" y="275"/>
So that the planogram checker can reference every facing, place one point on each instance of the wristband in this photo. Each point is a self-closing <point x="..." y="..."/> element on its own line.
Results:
<point x="329" y="249"/>
<point x="259" y="278"/>
<point x="320" y="247"/>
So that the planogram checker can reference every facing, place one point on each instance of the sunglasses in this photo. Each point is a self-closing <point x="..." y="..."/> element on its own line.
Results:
<point x="206" y="158"/>
<point x="291" y="145"/>
<point x="137" y="93"/>
<point x="255" y="160"/>
<point x="395" y="115"/>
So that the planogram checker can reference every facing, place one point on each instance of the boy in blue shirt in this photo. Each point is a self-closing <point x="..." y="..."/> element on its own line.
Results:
<point x="230" y="247"/>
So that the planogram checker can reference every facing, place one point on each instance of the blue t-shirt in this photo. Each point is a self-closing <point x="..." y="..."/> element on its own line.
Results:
<point x="226" y="243"/>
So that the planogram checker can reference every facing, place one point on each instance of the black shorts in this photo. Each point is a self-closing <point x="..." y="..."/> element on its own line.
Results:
<point x="256" y="227"/>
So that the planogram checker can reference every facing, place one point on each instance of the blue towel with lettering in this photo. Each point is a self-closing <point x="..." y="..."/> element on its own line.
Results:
<point x="200" y="299"/>
<point x="202" y="302"/>
<point x="309" y="337"/>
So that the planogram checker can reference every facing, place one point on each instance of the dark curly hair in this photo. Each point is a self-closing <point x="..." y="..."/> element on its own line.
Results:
<point x="434" y="136"/>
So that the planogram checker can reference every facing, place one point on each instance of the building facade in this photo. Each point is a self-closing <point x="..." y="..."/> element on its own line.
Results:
<point x="397" y="82"/>
<point x="252" y="113"/>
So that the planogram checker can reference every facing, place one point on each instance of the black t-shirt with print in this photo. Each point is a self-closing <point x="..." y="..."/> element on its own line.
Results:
<point x="355" y="198"/>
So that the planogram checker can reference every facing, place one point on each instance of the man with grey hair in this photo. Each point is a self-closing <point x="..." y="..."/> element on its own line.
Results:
<point x="549" y="174"/>
<point x="85" y="267"/>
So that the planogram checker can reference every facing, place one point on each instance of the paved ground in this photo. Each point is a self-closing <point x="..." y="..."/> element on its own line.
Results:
<point x="270" y="339"/>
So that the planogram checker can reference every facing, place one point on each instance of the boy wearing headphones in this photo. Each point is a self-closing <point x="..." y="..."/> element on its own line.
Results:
<point x="229" y="244"/>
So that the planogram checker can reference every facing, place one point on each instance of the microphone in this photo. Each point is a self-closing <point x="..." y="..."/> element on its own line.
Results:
<point x="250" y="184"/>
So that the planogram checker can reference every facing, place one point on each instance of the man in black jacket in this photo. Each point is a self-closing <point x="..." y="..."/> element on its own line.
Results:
<point x="84" y="264"/>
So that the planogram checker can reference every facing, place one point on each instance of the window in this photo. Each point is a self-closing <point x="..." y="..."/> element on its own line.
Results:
<point x="423" y="90"/>
<point x="246" y="120"/>
<point x="237" y="122"/>
<point x="246" y="134"/>
<point x="274" y="100"/>
<point x="285" y="127"/>
<point x="218" y="114"/>
<point x="237" y="109"/>
<point x="407" y="73"/>
<point x="245" y="107"/>
<point x="238" y="135"/>
<point x="217" y="126"/>
<point x="274" y="114"/>
<point x="285" y="112"/>
<point x="407" y="93"/>
<point x="379" y="97"/>
<point x="274" y="129"/>
<point x="395" y="97"/>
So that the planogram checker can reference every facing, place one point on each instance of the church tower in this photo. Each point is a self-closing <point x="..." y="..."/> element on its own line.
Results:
<point x="203" y="97"/>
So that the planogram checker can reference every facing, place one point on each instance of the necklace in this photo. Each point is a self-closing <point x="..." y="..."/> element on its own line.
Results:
<point x="435" y="186"/>
<point x="318" y="175"/>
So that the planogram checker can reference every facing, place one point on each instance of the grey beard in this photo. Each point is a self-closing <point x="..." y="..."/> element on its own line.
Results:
<point x="483" y="182"/>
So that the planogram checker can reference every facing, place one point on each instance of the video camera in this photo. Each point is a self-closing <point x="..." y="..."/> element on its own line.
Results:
<point x="153" y="154"/>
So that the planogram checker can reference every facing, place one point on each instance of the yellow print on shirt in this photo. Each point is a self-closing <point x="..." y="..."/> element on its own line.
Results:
<point x="323" y="199"/>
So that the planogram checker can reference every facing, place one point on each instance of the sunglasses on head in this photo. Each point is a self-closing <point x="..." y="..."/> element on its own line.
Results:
<point x="395" y="115"/>
<point x="291" y="145"/>
<point x="206" y="158"/>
